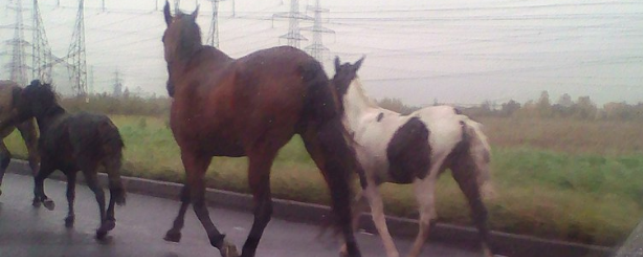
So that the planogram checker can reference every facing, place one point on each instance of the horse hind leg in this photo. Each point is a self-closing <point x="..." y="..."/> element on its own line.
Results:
<point x="328" y="148"/>
<point x="464" y="173"/>
<point x="5" y="158"/>
<point x="91" y="178"/>
<point x="259" y="166"/>
<point x="116" y="190"/>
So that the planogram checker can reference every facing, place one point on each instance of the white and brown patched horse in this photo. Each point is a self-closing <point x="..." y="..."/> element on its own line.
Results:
<point x="414" y="148"/>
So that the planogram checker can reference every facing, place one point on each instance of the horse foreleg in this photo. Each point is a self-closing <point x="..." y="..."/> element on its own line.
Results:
<point x="5" y="158"/>
<point x="28" y="132"/>
<point x="195" y="166"/>
<point x="46" y="168"/>
<point x="377" y="210"/>
<point x="424" y="193"/>
<point x="259" y="182"/>
<point x="71" y="195"/>
<point x="174" y="234"/>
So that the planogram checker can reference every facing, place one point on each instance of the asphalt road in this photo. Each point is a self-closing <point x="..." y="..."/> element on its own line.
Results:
<point x="141" y="225"/>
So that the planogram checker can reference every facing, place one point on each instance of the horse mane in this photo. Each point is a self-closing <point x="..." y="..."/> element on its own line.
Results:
<point x="357" y="84"/>
<point x="190" y="37"/>
<point x="45" y="94"/>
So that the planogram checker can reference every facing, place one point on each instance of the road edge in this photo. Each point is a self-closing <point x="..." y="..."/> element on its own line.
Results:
<point x="506" y="244"/>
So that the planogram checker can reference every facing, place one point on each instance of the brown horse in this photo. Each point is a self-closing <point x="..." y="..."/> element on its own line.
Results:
<point x="9" y="94"/>
<point x="251" y="107"/>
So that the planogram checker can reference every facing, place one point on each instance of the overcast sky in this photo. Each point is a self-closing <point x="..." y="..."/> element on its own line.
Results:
<point x="455" y="51"/>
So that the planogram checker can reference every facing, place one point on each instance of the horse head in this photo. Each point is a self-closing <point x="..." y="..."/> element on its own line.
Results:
<point x="35" y="99"/>
<point x="182" y="37"/>
<point x="345" y="74"/>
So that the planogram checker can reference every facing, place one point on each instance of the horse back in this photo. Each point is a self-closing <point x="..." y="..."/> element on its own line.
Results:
<point x="94" y="133"/>
<point x="238" y="102"/>
<point x="84" y="135"/>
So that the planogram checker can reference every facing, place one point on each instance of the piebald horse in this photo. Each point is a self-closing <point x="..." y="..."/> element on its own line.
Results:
<point x="251" y="106"/>
<point x="9" y="97"/>
<point x="414" y="148"/>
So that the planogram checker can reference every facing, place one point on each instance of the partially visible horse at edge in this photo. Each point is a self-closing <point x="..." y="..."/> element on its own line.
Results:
<point x="69" y="143"/>
<point x="9" y="96"/>
<point x="251" y="106"/>
<point x="414" y="148"/>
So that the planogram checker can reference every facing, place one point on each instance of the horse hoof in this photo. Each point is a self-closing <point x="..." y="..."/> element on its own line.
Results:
<point x="49" y="204"/>
<point x="108" y="225"/>
<point x="228" y="250"/>
<point x="172" y="236"/>
<point x="100" y="234"/>
<point x="69" y="221"/>
<point x="36" y="203"/>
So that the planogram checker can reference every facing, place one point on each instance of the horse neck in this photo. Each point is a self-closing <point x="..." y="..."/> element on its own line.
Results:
<point x="48" y="117"/>
<point x="357" y="104"/>
<point x="204" y="53"/>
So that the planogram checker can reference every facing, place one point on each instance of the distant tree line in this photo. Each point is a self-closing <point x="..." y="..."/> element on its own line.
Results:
<point x="125" y="104"/>
<point x="565" y="108"/>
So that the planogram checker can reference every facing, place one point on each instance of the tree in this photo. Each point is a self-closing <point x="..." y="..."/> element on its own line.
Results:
<point x="396" y="105"/>
<point x="508" y="108"/>
<point x="543" y="106"/>
<point x="585" y="108"/>
<point x="565" y="101"/>
<point x="126" y="93"/>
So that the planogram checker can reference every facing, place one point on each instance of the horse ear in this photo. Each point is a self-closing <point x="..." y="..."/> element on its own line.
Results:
<point x="35" y="83"/>
<point x="166" y="12"/>
<point x="195" y="13"/>
<point x="358" y="63"/>
<point x="337" y="63"/>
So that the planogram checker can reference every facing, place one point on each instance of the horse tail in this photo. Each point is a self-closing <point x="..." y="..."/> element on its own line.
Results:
<point x="112" y="146"/>
<point x="327" y="141"/>
<point x="480" y="152"/>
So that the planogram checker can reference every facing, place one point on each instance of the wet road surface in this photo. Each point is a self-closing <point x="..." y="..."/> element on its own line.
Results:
<point x="142" y="223"/>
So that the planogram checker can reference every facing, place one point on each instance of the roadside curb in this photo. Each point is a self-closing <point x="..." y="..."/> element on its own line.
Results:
<point x="505" y="244"/>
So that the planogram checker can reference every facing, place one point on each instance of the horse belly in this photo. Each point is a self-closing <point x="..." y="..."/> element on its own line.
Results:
<point x="408" y="152"/>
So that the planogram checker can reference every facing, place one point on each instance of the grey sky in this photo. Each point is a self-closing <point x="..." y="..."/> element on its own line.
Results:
<point x="463" y="51"/>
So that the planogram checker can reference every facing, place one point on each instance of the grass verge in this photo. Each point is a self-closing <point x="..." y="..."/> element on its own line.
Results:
<point x="586" y="196"/>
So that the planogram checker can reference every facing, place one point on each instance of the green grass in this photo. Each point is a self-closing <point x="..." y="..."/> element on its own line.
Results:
<point x="580" y="196"/>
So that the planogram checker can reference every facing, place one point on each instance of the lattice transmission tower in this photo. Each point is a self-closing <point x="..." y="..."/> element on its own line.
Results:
<point x="76" y="54"/>
<point x="41" y="53"/>
<point x="293" y="36"/>
<point x="317" y="48"/>
<point x="17" y="67"/>
<point x="177" y="4"/>
<point x="213" y="33"/>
